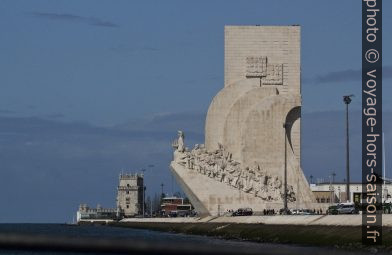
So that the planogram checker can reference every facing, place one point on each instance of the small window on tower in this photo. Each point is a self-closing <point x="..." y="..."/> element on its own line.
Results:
<point x="127" y="206"/>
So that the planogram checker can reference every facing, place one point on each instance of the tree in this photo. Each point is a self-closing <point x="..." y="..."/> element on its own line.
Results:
<point x="156" y="203"/>
<point x="177" y="194"/>
<point x="148" y="205"/>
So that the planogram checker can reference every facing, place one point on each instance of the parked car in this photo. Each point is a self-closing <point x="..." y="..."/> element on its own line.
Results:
<point x="243" y="212"/>
<point x="289" y="212"/>
<point x="307" y="212"/>
<point x="333" y="209"/>
<point x="293" y="211"/>
<point x="304" y="212"/>
<point x="172" y="214"/>
<point x="387" y="207"/>
<point x="347" y="208"/>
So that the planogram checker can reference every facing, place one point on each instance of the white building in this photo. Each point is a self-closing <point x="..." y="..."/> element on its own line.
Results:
<point x="336" y="192"/>
<point x="99" y="213"/>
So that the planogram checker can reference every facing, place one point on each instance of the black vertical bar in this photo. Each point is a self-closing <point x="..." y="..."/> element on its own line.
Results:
<point x="372" y="122"/>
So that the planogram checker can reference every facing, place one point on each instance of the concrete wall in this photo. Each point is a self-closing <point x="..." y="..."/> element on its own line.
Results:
<point x="322" y="220"/>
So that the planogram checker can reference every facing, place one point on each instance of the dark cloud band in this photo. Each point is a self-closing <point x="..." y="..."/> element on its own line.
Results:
<point x="74" y="18"/>
<point x="346" y="76"/>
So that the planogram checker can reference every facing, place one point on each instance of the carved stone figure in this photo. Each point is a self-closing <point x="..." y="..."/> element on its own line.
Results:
<point x="179" y="150"/>
<point x="180" y="143"/>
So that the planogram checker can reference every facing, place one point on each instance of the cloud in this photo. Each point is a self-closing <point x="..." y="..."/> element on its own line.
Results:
<point x="150" y="49"/>
<point x="192" y="123"/>
<point x="31" y="107"/>
<point x="6" y="111"/>
<point x="122" y="48"/>
<point x="346" y="76"/>
<point x="339" y="76"/>
<point x="55" y="116"/>
<point x="75" y="18"/>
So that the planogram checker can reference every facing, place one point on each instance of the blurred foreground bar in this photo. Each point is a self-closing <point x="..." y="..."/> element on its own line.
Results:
<point x="99" y="245"/>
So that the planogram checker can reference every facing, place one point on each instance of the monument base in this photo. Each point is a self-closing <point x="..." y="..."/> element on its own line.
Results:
<point x="210" y="197"/>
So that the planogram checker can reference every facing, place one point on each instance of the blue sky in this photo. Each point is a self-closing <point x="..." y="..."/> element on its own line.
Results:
<point x="92" y="87"/>
<point x="104" y="62"/>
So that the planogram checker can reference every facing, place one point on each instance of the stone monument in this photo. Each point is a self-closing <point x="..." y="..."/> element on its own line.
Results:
<point x="130" y="195"/>
<point x="252" y="132"/>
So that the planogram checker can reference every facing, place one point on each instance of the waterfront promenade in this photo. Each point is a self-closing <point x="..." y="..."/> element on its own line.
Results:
<point x="343" y="231"/>
<point x="326" y="220"/>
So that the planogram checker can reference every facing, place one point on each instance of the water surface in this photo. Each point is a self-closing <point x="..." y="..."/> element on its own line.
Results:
<point x="153" y="237"/>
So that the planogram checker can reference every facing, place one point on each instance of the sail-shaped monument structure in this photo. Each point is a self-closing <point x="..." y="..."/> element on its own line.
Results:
<point x="252" y="148"/>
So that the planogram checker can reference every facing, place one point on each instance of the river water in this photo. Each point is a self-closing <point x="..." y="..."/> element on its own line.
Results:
<point x="135" y="235"/>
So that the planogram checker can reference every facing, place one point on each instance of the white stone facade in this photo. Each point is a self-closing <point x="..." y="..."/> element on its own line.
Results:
<point x="339" y="191"/>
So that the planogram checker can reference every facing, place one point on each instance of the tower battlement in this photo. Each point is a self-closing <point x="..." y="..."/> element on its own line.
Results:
<point x="130" y="176"/>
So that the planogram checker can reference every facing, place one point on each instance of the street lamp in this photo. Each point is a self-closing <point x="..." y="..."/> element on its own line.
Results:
<point x="347" y="100"/>
<point x="161" y="200"/>
<point x="333" y="188"/>
<point x="285" y="209"/>
<point x="144" y="188"/>
<point x="330" y="188"/>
